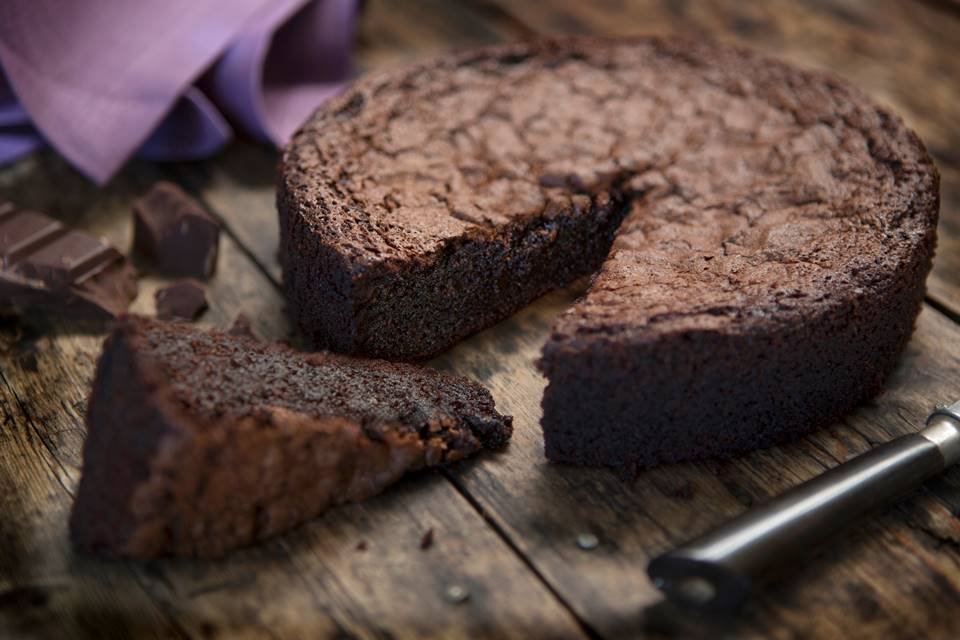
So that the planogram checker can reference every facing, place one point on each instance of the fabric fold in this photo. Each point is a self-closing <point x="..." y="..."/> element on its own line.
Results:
<point x="193" y="129"/>
<point x="101" y="79"/>
<point x="289" y="61"/>
<point x="17" y="135"/>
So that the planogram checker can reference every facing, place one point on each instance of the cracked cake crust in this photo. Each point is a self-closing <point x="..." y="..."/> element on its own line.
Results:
<point x="762" y="233"/>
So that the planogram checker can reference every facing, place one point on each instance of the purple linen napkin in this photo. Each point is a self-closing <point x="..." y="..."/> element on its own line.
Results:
<point x="101" y="79"/>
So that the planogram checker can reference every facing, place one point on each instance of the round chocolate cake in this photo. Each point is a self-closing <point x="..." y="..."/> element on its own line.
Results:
<point x="760" y="234"/>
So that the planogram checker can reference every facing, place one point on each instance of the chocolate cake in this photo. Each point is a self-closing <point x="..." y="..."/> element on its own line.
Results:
<point x="200" y="442"/>
<point x="760" y="234"/>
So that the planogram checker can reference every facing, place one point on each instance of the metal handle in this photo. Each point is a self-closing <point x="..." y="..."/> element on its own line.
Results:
<point x="718" y="570"/>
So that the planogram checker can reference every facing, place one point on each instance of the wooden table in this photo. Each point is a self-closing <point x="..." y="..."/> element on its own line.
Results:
<point x="505" y="526"/>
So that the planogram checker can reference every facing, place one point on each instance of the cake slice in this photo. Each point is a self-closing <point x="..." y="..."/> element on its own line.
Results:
<point x="201" y="442"/>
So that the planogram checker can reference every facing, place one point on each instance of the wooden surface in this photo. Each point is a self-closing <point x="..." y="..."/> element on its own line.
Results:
<point x="505" y="526"/>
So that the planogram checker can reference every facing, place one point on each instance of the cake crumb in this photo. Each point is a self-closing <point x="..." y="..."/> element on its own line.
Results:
<point x="456" y="594"/>
<point x="241" y="327"/>
<point x="426" y="541"/>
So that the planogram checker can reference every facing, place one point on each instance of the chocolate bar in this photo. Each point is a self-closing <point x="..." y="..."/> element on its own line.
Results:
<point x="49" y="266"/>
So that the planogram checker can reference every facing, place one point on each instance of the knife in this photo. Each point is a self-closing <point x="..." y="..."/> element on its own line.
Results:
<point x="717" y="571"/>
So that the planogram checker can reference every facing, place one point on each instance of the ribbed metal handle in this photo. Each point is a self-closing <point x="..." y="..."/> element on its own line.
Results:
<point x="718" y="570"/>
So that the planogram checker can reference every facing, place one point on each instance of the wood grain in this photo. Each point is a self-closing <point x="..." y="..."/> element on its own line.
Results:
<point x="395" y="32"/>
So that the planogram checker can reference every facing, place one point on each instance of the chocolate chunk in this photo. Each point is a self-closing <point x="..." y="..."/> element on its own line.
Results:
<point x="175" y="233"/>
<point x="49" y="266"/>
<point x="241" y="328"/>
<point x="185" y="300"/>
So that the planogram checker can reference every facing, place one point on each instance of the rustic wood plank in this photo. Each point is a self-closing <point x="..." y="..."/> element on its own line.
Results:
<point x="943" y="285"/>
<point x="313" y="582"/>
<point x="396" y="31"/>
<point x="901" y="53"/>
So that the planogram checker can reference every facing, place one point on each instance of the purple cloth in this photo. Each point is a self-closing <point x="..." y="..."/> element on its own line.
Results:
<point x="100" y="80"/>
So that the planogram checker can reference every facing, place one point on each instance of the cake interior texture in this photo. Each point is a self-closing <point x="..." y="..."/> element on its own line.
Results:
<point x="760" y="235"/>
<point x="200" y="442"/>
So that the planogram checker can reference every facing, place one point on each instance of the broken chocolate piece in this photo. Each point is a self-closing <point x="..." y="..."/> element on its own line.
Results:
<point x="49" y="266"/>
<point x="241" y="328"/>
<point x="185" y="300"/>
<point x="175" y="233"/>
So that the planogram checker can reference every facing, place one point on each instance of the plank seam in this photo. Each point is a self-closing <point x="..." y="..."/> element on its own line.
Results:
<point x="493" y="10"/>
<point x="943" y="309"/>
<point x="585" y="627"/>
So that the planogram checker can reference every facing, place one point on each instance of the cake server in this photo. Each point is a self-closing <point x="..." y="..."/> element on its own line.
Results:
<point x="717" y="571"/>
